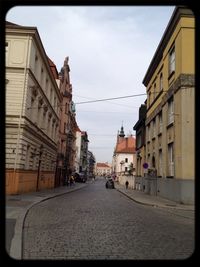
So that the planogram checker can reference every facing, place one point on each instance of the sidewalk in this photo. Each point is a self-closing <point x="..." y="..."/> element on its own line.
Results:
<point x="17" y="207"/>
<point x="155" y="201"/>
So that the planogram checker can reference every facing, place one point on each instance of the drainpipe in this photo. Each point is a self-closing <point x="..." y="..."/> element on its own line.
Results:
<point x="23" y="98"/>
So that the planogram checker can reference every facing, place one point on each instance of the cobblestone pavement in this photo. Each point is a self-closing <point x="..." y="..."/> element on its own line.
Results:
<point x="99" y="223"/>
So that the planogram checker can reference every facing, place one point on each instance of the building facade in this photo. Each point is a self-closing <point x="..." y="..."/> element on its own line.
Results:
<point x="124" y="156"/>
<point x="83" y="166"/>
<point x="67" y="128"/>
<point x="32" y="112"/>
<point x="103" y="169"/>
<point x="140" y="129"/>
<point x="170" y="86"/>
<point x="78" y="150"/>
<point x="91" y="165"/>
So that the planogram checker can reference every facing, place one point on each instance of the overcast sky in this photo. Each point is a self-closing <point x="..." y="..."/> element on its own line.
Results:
<point x="109" y="49"/>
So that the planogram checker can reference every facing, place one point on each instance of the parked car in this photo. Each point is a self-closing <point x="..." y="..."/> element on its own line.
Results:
<point x="110" y="183"/>
<point x="80" y="177"/>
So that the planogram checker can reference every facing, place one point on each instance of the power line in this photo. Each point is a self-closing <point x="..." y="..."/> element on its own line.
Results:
<point x="105" y="99"/>
<point x="109" y="102"/>
<point x="101" y="100"/>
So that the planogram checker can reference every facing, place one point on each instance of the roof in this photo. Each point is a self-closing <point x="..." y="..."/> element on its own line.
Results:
<point x="126" y="145"/>
<point x="102" y="165"/>
<point x="17" y="26"/>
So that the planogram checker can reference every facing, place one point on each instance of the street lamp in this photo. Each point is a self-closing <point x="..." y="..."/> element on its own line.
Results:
<point x="39" y="163"/>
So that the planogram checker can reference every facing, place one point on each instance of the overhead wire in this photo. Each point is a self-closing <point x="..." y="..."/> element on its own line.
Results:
<point x="106" y="99"/>
<point x="96" y="100"/>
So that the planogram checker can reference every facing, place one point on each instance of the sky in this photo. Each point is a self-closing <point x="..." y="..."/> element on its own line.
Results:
<point x="110" y="49"/>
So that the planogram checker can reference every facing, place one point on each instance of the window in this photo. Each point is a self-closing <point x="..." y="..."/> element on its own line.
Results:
<point x="154" y="127"/>
<point x="172" y="61"/>
<point x="160" y="122"/>
<point x="153" y="162"/>
<point x="51" y="94"/>
<point x="160" y="163"/>
<point x="161" y="82"/>
<point x="154" y="91"/>
<point x="149" y="98"/>
<point x="170" y="111"/>
<point x="36" y="69"/>
<point x="47" y="86"/>
<point x="126" y="159"/>
<point x="27" y="158"/>
<point x="148" y="133"/>
<point x="6" y="50"/>
<point x="170" y="160"/>
<point x="66" y="108"/>
<point x="139" y="140"/>
<point x="65" y="128"/>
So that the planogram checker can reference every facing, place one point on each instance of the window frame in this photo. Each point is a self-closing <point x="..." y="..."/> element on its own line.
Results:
<point x="170" y="110"/>
<point x="170" y="159"/>
<point x="172" y="60"/>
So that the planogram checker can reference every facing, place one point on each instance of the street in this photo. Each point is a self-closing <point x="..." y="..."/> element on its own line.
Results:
<point x="99" y="223"/>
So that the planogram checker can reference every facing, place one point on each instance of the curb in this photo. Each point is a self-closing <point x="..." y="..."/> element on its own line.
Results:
<point x="139" y="202"/>
<point x="154" y="205"/>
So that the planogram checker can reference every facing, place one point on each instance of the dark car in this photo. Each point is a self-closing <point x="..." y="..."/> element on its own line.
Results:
<point x="110" y="184"/>
<point x="80" y="177"/>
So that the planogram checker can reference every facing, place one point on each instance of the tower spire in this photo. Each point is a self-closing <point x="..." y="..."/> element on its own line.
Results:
<point x="121" y="134"/>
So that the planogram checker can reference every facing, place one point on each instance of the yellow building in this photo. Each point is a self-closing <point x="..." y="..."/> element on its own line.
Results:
<point x="170" y="86"/>
<point x="32" y="112"/>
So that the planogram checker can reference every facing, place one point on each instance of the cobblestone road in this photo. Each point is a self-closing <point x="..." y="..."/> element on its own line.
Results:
<point x="99" y="223"/>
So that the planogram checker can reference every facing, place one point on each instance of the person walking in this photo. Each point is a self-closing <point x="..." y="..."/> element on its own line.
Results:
<point x="71" y="180"/>
<point x="127" y="183"/>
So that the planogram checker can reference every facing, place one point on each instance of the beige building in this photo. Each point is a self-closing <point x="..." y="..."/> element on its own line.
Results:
<point x="32" y="112"/>
<point x="170" y="86"/>
<point x="102" y="169"/>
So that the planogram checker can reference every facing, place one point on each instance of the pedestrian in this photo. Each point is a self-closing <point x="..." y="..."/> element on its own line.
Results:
<point x="127" y="183"/>
<point x="71" y="180"/>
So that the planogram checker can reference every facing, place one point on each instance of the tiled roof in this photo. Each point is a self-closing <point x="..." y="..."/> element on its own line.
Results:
<point x="126" y="145"/>
<point x="102" y="165"/>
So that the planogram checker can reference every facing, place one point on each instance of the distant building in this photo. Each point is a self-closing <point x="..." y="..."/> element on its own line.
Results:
<point x="68" y="127"/>
<point x="140" y="129"/>
<point x="103" y="169"/>
<point x="124" y="156"/>
<point x="32" y="112"/>
<point x="83" y="167"/>
<point x="91" y="164"/>
<point x="78" y="150"/>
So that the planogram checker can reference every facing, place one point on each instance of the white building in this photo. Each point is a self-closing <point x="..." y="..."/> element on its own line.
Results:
<point x="124" y="157"/>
